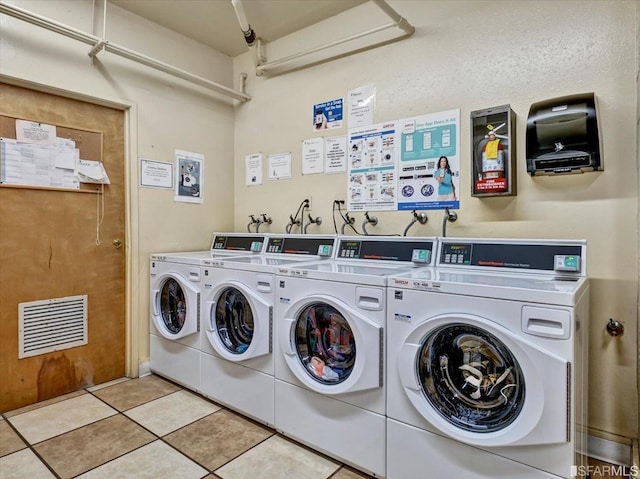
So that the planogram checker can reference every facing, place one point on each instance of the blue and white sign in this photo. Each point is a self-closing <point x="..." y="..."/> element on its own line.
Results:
<point x="328" y="115"/>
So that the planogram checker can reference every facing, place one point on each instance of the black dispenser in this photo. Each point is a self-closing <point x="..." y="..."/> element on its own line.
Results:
<point x="562" y="136"/>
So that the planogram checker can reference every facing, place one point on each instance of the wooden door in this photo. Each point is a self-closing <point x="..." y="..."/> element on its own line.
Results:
<point x="49" y="250"/>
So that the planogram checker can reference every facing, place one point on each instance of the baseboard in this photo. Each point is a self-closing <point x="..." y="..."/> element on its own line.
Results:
<point x="144" y="368"/>
<point x="609" y="451"/>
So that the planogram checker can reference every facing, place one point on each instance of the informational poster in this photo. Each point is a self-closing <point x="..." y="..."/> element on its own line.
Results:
<point x="312" y="156"/>
<point x="279" y="165"/>
<point x="328" y="115"/>
<point x="429" y="166"/>
<point x="35" y="164"/>
<point x="372" y="168"/>
<point x="335" y="156"/>
<point x="189" y="174"/>
<point x="156" y="174"/>
<point x="253" y="169"/>
<point x="361" y="106"/>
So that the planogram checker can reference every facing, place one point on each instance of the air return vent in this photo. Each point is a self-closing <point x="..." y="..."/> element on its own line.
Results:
<point x="52" y="324"/>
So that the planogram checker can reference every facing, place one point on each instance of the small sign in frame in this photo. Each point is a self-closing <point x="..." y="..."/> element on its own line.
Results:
<point x="493" y="152"/>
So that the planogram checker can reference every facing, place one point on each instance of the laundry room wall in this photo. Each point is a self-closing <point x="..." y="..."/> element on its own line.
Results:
<point x="167" y="114"/>
<point x="473" y="55"/>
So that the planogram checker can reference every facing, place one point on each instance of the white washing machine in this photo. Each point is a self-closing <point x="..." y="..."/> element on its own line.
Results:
<point x="175" y="289"/>
<point x="237" y="305"/>
<point x="329" y="347"/>
<point x="487" y="362"/>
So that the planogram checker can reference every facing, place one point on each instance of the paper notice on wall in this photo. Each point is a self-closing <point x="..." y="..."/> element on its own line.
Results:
<point x="279" y="165"/>
<point x="335" y="154"/>
<point x="156" y="174"/>
<point x="88" y="171"/>
<point x="253" y="169"/>
<point x="361" y="105"/>
<point x="312" y="156"/>
<point x="34" y="132"/>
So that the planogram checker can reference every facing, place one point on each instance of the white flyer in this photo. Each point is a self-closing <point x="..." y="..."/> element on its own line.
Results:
<point x="361" y="106"/>
<point x="335" y="154"/>
<point x="253" y="169"/>
<point x="312" y="156"/>
<point x="279" y="165"/>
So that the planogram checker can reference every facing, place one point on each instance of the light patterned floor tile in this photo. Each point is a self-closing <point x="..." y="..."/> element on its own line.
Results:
<point x="171" y="412"/>
<point x="153" y="461"/>
<point x="23" y="464"/>
<point x="46" y="402"/>
<point x="293" y="462"/>
<point x="49" y="421"/>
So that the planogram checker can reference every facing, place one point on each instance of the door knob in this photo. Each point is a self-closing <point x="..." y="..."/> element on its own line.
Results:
<point x="117" y="243"/>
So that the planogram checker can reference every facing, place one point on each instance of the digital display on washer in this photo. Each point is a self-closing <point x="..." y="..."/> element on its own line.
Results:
<point x="310" y="246"/>
<point x="500" y="255"/>
<point x="237" y="243"/>
<point x="381" y="250"/>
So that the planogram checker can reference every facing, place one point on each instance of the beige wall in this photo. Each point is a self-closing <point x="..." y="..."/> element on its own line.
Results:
<point x="166" y="114"/>
<point x="473" y="55"/>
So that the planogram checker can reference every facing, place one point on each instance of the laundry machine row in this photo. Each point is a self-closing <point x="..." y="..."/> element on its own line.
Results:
<point x="237" y="363"/>
<point x="487" y="364"/>
<point x="175" y="291"/>
<point x="330" y="316"/>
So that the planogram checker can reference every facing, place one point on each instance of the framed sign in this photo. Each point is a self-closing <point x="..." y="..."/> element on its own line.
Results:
<point x="493" y="152"/>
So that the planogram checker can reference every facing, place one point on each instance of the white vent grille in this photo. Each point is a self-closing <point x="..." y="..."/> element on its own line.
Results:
<point x="52" y="324"/>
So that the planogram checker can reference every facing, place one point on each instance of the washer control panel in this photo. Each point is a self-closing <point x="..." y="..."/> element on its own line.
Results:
<point x="551" y="256"/>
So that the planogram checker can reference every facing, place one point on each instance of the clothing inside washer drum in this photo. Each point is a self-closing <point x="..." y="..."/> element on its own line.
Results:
<point x="471" y="378"/>
<point x="173" y="305"/>
<point x="234" y="320"/>
<point x="325" y="343"/>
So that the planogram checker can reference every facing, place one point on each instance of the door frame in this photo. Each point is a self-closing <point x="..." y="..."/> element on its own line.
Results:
<point x="132" y="246"/>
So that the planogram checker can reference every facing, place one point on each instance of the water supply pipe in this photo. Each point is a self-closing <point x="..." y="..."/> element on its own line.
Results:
<point x="417" y="217"/>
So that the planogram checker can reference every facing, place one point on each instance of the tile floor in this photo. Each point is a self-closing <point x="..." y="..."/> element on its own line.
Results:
<point x="151" y="428"/>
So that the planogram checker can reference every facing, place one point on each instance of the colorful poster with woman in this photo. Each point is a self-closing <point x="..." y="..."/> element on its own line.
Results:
<point x="429" y="166"/>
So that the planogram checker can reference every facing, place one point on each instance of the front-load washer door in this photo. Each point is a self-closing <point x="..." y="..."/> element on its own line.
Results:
<point x="175" y="307"/>
<point x="330" y="347"/>
<point x="477" y="382"/>
<point x="238" y="322"/>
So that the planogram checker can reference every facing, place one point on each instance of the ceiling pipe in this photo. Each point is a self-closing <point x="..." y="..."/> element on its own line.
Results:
<point x="249" y="35"/>
<point x="262" y="66"/>
<point x="99" y="44"/>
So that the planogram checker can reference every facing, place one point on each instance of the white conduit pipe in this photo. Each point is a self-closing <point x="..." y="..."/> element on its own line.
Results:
<point x="98" y="43"/>
<point x="247" y="31"/>
<point x="398" y="21"/>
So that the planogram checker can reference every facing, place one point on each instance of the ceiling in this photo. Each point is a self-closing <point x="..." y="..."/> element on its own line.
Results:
<point x="214" y="22"/>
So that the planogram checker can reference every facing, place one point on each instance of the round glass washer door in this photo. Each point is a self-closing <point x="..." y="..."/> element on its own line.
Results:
<point x="234" y="320"/>
<point x="173" y="306"/>
<point x="470" y="378"/>
<point x="324" y="343"/>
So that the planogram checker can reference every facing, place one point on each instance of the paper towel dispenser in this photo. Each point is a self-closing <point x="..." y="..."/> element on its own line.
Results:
<point x="562" y="136"/>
